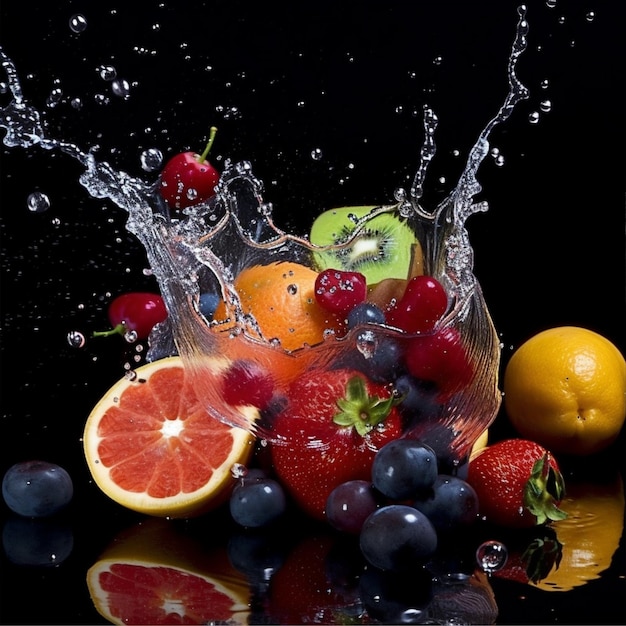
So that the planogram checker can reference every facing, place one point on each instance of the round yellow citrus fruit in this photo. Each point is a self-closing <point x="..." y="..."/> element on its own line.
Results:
<point x="565" y="388"/>
<point x="153" y="448"/>
<point x="590" y="533"/>
<point x="152" y="574"/>
<point x="281" y="297"/>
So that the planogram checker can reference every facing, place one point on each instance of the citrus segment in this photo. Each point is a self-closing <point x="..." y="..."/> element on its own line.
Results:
<point x="152" y="574"/>
<point x="565" y="388"/>
<point x="152" y="447"/>
<point x="281" y="298"/>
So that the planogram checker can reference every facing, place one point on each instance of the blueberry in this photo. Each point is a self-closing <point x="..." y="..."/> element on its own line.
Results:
<point x="37" y="488"/>
<point x="365" y="313"/>
<point x="404" y="468"/>
<point x="397" y="537"/>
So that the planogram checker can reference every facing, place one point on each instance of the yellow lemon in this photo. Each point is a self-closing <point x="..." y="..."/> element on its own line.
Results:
<point x="565" y="388"/>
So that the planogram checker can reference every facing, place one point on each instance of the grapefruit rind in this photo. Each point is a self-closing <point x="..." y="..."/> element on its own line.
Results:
<point x="210" y="495"/>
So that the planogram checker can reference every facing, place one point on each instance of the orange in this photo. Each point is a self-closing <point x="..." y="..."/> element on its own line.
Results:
<point x="153" y="448"/>
<point x="565" y="388"/>
<point x="281" y="297"/>
<point x="152" y="574"/>
<point x="590" y="533"/>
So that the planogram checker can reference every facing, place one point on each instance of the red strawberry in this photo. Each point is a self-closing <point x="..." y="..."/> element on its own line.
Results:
<point x="534" y="561"/>
<point x="329" y="433"/>
<point x="518" y="483"/>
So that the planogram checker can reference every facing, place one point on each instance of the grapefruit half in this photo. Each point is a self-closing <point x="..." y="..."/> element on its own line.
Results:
<point x="153" y="574"/>
<point x="152" y="447"/>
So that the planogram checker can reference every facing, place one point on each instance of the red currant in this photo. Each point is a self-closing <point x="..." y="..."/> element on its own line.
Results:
<point x="138" y="312"/>
<point x="188" y="178"/>
<point x="423" y="303"/>
<point x="338" y="291"/>
<point x="246" y="382"/>
<point x="440" y="358"/>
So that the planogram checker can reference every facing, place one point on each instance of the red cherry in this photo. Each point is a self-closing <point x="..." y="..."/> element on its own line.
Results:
<point x="246" y="382"/>
<point x="338" y="291"/>
<point x="188" y="178"/>
<point x="423" y="303"/>
<point x="135" y="311"/>
<point x="440" y="358"/>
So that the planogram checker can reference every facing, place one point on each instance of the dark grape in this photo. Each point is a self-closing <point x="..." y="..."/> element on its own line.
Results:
<point x="349" y="504"/>
<point x="453" y="502"/>
<point x="397" y="537"/>
<point x="257" y="502"/>
<point x="37" y="542"/>
<point x="404" y="468"/>
<point x="37" y="488"/>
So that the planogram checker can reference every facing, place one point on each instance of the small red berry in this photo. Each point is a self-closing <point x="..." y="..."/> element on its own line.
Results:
<point x="338" y="291"/>
<point x="423" y="303"/>
<point x="188" y="178"/>
<point x="246" y="382"/>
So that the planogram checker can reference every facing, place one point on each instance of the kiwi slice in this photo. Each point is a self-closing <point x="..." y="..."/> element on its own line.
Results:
<point x="384" y="246"/>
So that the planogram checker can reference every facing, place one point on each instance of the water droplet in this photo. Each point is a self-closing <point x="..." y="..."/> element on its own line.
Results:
<point x="316" y="154"/>
<point x="107" y="72"/>
<point x="38" y="202"/>
<point x="499" y="160"/>
<point x="292" y="289"/>
<point x="551" y="4"/>
<point x="76" y="339"/>
<point x="78" y="23"/>
<point x="400" y="194"/>
<point x="437" y="60"/>
<point x="120" y="88"/>
<point x="545" y="83"/>
<point x="76" y="103"/>
<point x="130" y="336"/>
<point x="367" y="343"/>
<point x="491" y="556"/>
<point x="238" y="470"/>
<point x="590" y="16"/>
<point x="151" y="159"/>
<point x="54" y="98"/>
<point x="533" y="117"/>
<point x="545" y="106"/>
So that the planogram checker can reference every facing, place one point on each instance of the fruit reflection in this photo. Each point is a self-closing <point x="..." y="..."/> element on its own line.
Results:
<point x="590" y="534"/>
<point x="152" y="574"/>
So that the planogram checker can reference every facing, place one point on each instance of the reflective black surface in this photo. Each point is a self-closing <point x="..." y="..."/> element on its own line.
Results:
<point x="350" y="79"/>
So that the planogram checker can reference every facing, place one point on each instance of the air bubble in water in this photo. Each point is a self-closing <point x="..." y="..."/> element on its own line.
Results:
<point x="78" y="23"/>
<point x="38" y="202"/>
<point x="316" y="154"/>
<point x="120" y="88"/>
<point x="491" y="556"/>
<point x="107" y="72"/>
<point x="545" y="106"/>
<point x="151" y="159"/>
<point x="75" y="339"/>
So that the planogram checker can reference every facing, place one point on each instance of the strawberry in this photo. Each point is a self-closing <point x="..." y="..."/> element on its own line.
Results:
<point x="518" y="483"/>
<point x="329" y="433"/>
<point x="533" y="561"/>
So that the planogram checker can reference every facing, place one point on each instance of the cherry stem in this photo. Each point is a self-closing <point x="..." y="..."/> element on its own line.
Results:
<point x="204" y="155"/>
<point x="118" y="330"/>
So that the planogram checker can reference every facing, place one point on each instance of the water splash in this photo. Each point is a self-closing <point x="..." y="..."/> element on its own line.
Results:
<point x="203" y="252"/>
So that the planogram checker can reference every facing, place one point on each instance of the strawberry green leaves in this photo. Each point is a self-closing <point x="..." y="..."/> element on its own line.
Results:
<point x="359" y="409"/>
<point x="543" y="490"/>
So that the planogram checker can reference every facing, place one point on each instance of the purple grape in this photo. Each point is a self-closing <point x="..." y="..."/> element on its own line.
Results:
<point x="397" y="537"/>
<point x="257" y="502"/>
<point x="404" y="468"/>
<point x="452" y="503"/>
<point x="37" y="488"/>
<point x="349" y="504"/>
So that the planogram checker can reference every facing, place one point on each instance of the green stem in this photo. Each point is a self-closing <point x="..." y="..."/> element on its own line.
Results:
<point x="118" y="330"/>
<point x="204" y="155"/>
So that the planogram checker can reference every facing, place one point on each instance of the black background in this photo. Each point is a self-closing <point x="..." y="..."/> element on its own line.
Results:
<point x="349" y="78"/>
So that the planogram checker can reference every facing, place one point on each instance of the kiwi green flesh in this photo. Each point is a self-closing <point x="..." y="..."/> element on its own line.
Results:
<point x="383" y="249"/>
